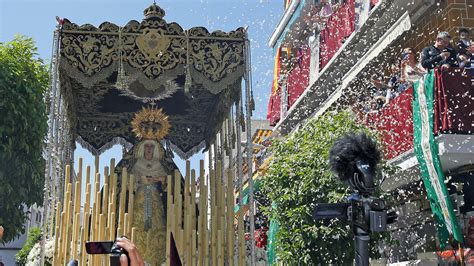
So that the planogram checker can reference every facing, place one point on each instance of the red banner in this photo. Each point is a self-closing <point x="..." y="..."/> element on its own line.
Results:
<point x="454" y="101"/>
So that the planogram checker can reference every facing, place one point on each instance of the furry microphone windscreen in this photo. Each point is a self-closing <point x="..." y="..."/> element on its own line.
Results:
<point x="350" y="149"/>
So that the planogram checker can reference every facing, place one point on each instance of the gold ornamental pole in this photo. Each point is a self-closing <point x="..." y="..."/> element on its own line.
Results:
<point x="169" y="211"/>
<point x="123" y="192"/>
<point x="185" y="238"/>
<point x="194" y="218"/>
<point x="131" y="202"/>
<point x="230" y="216"/>
<point x="202" y="215"/>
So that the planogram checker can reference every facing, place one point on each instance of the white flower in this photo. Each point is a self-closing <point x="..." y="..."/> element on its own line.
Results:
<point x="33" y="258"/>
<point x="49" y="250"/>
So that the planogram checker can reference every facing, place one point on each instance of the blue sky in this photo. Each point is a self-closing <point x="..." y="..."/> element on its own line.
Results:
<point x="36" y="19"/>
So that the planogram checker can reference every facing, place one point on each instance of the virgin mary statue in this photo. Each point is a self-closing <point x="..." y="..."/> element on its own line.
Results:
<point x="149" y="216"/>
<point x="150" y="165"/>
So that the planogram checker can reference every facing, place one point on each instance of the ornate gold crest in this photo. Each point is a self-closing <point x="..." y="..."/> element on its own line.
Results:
<point x="150" y="123"/>
<point x="153" y="44"/>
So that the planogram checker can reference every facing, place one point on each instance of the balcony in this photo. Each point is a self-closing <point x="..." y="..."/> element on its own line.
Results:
<point x="453" y="126"/>
<point x="335" y="31"/>
<point x="297" y="79"/>
<point x="292" y="84"/>
<point x="345" y="58"/>
<point x="395" y="123"/>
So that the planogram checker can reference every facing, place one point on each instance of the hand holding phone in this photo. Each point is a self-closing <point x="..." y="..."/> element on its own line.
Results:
<point x="109" y="247"/>
<point x="99" y="247"/>
<point x="445" y="55"/>
<point x="135" y="259"/>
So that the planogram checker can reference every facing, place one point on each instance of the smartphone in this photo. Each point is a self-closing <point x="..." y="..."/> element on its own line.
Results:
<point x="99" y="247"/>
<point x="405" y="56"/>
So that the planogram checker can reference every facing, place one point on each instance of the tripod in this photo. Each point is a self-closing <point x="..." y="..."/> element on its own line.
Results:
<point x="361" y="239"/>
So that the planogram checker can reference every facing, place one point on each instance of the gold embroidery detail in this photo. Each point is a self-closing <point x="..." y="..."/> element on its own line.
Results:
<point x="153" y="44"/>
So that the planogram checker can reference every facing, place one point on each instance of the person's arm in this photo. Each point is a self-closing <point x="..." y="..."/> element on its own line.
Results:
<point x="460" y="45"/>
<point x="403" y="71"/>
<point x="452" y="60"/>
<point x="462" y="48"/>
<point x="419" y="70"/>
<point x="388" y="96"/>
<point x="428" y="61"/>
<point x="463" y="60"/>
<point x="448" y="58"/>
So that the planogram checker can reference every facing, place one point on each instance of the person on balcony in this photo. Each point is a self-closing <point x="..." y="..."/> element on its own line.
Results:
<point x="319" y="15"/>
<point x="411" y="70"/>
<point x="380" y="93"/>
<point x="326" y="9"/>
<point x="464" y="42"/>
<point x="394" y="86"/>
<point x="441" y="54"/>
<point x="464" y="45"/>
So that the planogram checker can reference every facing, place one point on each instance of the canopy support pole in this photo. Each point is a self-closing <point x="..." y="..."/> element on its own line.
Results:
<point x="238" y="147"/>
<point x="50" y="174"/>
<point x="248" y="106"/>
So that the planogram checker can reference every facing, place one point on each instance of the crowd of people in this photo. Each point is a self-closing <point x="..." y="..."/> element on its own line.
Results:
<point x="442" y="54"/>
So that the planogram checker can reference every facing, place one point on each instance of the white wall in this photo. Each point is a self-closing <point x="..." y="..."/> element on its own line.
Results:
<point x="9" y="250"/>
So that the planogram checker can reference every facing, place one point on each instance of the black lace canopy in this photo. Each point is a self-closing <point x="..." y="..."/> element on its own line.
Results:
<point x="110" y="72"/>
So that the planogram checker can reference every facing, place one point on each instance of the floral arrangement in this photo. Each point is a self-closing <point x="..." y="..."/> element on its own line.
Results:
<point x="49" y="251"/>
<point x="34" y="257"/>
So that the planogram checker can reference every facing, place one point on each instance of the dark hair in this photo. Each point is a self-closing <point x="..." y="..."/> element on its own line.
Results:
<point x="463" y="30"/>
<point x="443" y="34"/>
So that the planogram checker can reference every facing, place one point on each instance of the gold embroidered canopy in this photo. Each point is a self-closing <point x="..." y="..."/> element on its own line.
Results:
<point x="111" y="72"/>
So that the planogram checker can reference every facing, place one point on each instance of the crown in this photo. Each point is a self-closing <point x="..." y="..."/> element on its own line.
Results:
<point x="154" y="11"/>
<point x="150" y="123"/>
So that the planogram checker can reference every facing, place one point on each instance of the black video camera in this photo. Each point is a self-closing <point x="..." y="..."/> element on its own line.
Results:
<point x="107" y="247"/>
<point x="368" y="213"/>
<point x="354" y="159"/>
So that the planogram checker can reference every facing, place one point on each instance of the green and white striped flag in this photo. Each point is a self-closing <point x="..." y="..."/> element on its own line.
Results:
<point x="426" y="151"/>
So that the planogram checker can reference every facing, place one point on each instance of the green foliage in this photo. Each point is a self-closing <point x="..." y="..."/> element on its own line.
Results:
<point x="23" y="123"/>
<point x="298" y="177"/>
<point x="34" y="236"/>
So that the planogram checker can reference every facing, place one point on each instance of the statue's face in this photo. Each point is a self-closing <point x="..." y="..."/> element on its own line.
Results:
<point x="148" y="153"/>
